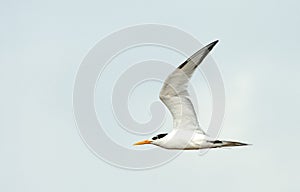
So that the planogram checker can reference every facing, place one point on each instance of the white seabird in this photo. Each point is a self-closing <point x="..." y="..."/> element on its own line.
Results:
<point x="186" y="133"/>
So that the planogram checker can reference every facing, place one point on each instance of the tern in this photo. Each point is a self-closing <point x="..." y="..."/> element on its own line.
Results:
<point x="187" y="133"/>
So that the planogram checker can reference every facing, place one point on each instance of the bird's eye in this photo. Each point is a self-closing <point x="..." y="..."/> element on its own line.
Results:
<point x="154" y="138"/>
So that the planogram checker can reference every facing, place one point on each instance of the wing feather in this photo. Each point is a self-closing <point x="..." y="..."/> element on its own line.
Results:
<point x="174" y="93"/>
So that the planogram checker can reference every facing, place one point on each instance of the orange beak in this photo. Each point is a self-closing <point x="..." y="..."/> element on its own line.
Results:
<point x="143" y="142"/>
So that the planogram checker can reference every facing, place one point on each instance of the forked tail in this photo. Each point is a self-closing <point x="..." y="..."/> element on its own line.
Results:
<point x="219" y="143"/>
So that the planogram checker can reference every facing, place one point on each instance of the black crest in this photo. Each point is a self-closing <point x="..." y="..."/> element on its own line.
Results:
<point x="159" y="136"/>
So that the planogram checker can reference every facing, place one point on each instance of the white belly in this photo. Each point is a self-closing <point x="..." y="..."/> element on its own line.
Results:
<point x="185" y="139"/>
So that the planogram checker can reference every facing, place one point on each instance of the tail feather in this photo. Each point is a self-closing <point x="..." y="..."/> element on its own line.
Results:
<point x="232" y="144"/>
<point x="219" y="143"/>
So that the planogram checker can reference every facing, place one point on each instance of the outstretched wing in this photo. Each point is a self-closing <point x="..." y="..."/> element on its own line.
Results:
<point x="174" y="93"/>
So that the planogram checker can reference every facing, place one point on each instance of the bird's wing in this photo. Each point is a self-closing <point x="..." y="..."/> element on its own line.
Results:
<point x="174" y="93"/>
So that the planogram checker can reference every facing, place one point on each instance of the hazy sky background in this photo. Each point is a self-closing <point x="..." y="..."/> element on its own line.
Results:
<point x="44" y="42"/>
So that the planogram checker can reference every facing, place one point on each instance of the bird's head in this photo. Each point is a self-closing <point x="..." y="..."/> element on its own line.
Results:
<point x="154" y="140"/>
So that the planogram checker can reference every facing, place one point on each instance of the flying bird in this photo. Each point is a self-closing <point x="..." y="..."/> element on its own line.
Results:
<point x="187" y="133"/>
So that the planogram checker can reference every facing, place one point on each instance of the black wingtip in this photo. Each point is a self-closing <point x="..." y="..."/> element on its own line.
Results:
<point x="211" y="45"/>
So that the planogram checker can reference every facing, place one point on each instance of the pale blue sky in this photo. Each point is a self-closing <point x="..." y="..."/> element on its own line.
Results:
<point x="44" y="42"/>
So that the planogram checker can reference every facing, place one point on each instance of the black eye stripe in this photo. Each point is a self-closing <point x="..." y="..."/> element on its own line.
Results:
<point x="159" y="136"/>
